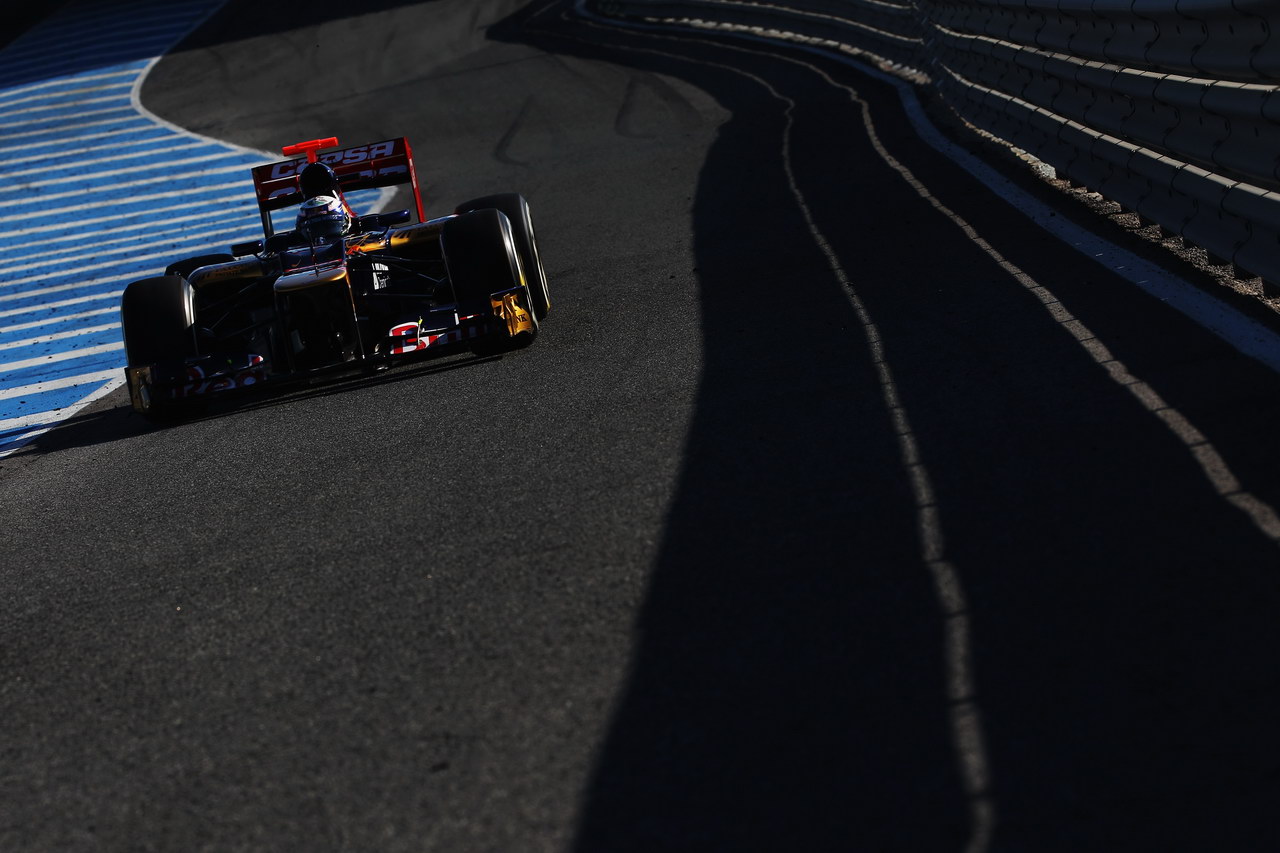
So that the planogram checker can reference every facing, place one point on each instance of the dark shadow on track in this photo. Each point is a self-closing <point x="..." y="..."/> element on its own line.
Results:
<point x="1124" y="638"/>
<point x="787" y="691"/>
<point x="109" y="421"/>
<point x="240" y="19"/>
<point x="18" y="21"/>
<point x="234" y="21"/>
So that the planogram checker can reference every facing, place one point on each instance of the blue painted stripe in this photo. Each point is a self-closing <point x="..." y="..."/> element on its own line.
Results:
<point x="39" y="139"/>
<point x="126" y="177"/>
<point x="40" y="350"/>
<point x="62" y="324"/>
<point x="77" y="161"/>
<point x="85" y="141"/>
<point x="156" y="255"/>
<point x="109" y="194"/>
<point x="123" y="34"/>
<point x="59" y="369"/>
<point x="123" y="54"/>
<point x="63" y="92"/>
<point x="26" y="116"/>
<point x="23" y="92"/>
<point x="45" y="402"/>
<point x="35" y="126"/>
<point x="76" y="211"/>
<point x="52" y="94"/>
<point x="12" y="336"/>
<point x="110" y="231"/>
<point x="73" y="251"/>
<point x="49" y="305"/>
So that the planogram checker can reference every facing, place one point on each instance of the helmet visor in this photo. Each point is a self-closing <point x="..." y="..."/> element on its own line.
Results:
<point x="327" y="226"/>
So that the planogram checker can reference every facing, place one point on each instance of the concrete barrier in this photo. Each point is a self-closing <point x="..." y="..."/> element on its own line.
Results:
<point x="1170" y="109"/>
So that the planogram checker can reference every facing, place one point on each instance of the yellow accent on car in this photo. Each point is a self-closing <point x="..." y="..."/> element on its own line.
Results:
<point x="507" y="307"/>
<point x="139" y="381"/>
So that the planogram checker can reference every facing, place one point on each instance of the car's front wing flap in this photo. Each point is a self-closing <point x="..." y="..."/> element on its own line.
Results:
<point x="182" y="380"/>
<point x="166" y="383"/>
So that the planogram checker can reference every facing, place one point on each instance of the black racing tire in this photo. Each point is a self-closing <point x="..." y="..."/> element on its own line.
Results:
<point x="517" y="210"/>
<point x="480" y="254"/>
<point x="157" y="316"/>
<point x="186" y="267"/>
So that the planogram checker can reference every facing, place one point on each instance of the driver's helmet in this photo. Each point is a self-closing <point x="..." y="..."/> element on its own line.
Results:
<point x="323" y="217"/>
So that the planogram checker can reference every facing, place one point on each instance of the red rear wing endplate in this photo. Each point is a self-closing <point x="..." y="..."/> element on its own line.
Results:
<point x="382" y="164"/>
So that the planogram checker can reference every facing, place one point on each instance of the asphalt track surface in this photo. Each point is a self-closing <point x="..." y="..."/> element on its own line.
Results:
<point x="835" y="508"/>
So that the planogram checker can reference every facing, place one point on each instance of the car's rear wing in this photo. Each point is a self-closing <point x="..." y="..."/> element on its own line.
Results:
<point x="382" y="164"/>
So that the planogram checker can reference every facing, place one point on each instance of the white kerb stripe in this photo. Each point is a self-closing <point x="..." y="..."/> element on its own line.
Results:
<point x="96" y="205"/>
<point x="123" y="112"/>
<point x="122" y="264"/>
<point x="59" y="336"/>
<point x="180" y="232"/>
<point x="152" y="228"/>
<point x="135" y="130"/>
<point x="79" y="163"/>
<point x="67" y="105"/>
<point x="62" y="414"/>
<point x="136" y="139"/>
<point x="135" y="127"/>
<point x="116" y="217"/>
<point x="63" y="81"/>
<point x="60" y="356"/>
<point x="59" y="384"/>
<point x="162" y="179"/>
<point x="128" y="170"/>
<point x="113" y="295"/>
<point x="64" y="318"/>
<point x="83" y="90"/>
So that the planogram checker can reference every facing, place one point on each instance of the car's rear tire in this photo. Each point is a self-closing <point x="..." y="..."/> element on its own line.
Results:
<point x="186" y="267"/>
<point x="480" y="254"/>
<point x="517" y="211"/>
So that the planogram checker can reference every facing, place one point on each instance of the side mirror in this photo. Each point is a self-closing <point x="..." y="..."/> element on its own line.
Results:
<point x="378" y="221"/>
<point x="250" y="247"/>
<point x="283" y="240"/>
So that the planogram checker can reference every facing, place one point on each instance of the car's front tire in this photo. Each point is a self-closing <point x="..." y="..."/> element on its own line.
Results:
<point x="157" y="317"/>
<point x="480" y="254"/>
<point x="516" y="209"/>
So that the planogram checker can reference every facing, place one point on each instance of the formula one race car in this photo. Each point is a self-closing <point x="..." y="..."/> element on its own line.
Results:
<point x="339" y="291"/>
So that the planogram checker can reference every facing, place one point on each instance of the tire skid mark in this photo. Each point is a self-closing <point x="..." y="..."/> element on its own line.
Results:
<point x="626" y="110"/>
<point x="968" y="742"/>
<point x="685" y="114"/>
<point x="500" y="151"/>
